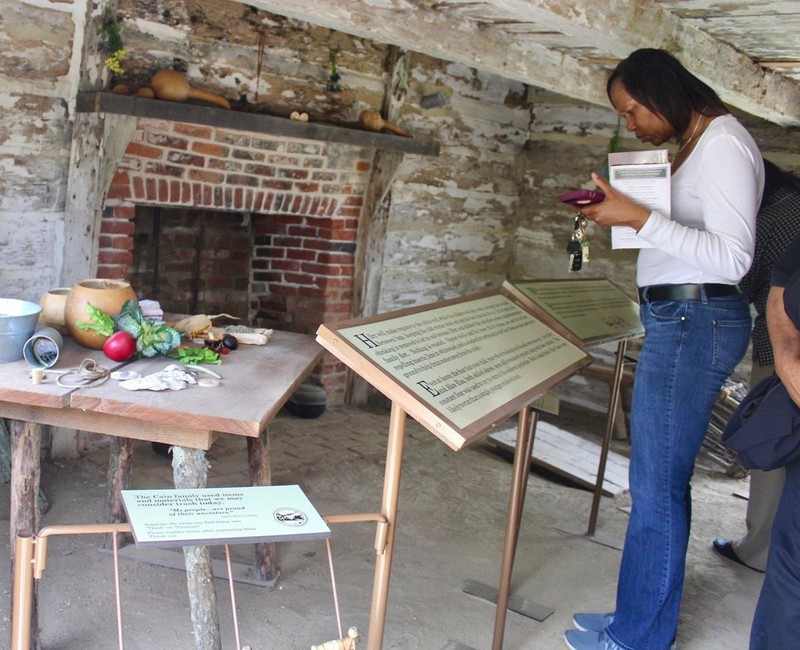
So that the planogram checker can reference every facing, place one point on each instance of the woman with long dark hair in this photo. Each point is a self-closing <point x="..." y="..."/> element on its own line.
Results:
<point x="697" y="326"/>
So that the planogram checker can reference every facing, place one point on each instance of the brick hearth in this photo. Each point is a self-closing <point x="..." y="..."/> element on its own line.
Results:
<point x="302" y="201"/>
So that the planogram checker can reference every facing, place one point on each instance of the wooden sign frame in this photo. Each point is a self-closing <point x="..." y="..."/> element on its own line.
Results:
<point x="492" y="322"/>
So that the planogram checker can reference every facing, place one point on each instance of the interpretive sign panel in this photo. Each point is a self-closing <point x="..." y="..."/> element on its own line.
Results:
<point x="594" y="309"/>
<point x="208" y="516"/>
<point x="458" y="367"/>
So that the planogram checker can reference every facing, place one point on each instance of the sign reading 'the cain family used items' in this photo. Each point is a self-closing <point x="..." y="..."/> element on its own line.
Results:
<point x="211" y="516"/>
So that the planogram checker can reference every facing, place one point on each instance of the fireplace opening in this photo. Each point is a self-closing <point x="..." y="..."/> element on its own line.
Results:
<point x="193" y="261"/>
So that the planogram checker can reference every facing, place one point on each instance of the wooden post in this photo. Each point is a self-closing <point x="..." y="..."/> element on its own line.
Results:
<point x="190" y="470"/>
<point x="120" y="463"/>
<point x="374" y="219"/>
<point x="258" y="460"/>
<point x="26" y="438"/>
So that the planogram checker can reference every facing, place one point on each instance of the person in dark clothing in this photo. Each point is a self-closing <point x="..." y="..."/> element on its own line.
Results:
<point x="777" y="224"/>
<point x="776" y="623"/>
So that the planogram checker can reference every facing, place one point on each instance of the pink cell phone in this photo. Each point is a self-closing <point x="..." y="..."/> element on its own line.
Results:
<point x="581" y="197"/>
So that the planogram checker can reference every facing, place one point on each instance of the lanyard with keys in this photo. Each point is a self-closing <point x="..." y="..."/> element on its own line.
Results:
<point x="578" y="246"/>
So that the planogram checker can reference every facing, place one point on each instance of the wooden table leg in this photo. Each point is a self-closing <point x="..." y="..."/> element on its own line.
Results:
<point x="120" y="463"/>
<point x="258" y="462"/>
<point x="5" y="463"/>
<point x="26" y="438"/>
<point x="190" y="471"/>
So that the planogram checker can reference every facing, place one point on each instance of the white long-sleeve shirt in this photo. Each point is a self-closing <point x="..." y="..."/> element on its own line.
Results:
<point x="715" y="194"/>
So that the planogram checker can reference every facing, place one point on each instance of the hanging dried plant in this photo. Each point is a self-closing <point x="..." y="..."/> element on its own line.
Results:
<point x="333" y="78"/>
<point x="109" y="30"/>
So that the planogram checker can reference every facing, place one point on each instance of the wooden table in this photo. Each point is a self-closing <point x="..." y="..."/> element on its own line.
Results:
<point x="256" y="382"/>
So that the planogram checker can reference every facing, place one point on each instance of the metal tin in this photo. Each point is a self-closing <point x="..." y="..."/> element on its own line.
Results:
<point x="17" y="323"/>
<point x="43" y="348"/>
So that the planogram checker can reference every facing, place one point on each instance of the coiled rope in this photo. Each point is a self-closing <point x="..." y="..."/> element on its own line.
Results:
<point x="89" y="374"/>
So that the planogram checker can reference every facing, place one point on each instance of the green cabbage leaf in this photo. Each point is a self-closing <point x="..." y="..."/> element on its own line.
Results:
<point x="153" y="336"/>
<point x="99" y="321"/>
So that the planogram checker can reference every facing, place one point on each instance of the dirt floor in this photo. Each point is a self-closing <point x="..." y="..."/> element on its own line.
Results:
<point x="450" y="530"/>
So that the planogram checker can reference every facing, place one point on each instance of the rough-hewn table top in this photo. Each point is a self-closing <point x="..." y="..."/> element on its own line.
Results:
<point x="256" y="382"/>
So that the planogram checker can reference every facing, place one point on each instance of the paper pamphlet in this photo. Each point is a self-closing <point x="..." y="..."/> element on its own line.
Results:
<point x="239" y="515"/>
<point x="643" y="176"/>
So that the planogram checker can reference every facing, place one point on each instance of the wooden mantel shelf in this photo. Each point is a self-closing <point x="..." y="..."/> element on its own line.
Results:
<point x="100" y="102"/>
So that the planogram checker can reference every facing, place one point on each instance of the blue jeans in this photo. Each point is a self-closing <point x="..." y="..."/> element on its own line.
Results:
<point x="690" y="347"/>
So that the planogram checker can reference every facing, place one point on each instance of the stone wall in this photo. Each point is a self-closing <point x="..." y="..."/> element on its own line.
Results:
<point x="453" y="218"/>
<point x="36" y="74"/>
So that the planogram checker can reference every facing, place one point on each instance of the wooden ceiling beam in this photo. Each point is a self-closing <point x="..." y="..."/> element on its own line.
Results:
<point x="446" y="36"/>
<point x="449" y="31"/>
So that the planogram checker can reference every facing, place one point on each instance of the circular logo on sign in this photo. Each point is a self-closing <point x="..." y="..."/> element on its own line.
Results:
<point x="290" y="517"/>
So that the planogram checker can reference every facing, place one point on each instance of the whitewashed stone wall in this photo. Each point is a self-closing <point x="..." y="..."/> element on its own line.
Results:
<point x="36" y="70"/>
<point x="453" y="217"/>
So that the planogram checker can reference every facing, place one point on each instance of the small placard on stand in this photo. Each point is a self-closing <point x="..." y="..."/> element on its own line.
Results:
<point x="210" y="516"/>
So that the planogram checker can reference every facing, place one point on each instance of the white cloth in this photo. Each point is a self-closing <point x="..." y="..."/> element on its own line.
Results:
<point x="170" y="378"/>
<point x="715" y="195"/>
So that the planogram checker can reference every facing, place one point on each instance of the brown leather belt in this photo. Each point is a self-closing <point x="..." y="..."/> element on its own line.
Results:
<point x="656" y="292"/>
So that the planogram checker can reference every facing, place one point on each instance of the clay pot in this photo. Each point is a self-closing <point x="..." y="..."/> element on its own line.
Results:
<point x="53" y="304"/>
<point x="106" y="295"/>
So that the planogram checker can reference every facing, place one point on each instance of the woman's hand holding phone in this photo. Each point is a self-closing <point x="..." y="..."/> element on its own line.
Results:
<point x="611" y="208"/>
<point x="579" y="198"/>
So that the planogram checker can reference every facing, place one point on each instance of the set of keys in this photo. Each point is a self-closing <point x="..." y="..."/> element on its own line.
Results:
<point x="578" y="246"/>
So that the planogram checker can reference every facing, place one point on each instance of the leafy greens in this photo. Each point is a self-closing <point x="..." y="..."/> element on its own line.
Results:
<point x="99" y="321"/>
<point x="153" y="336"/>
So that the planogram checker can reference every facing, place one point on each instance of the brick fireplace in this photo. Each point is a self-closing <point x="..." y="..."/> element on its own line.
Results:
<point x="281" y="212"/>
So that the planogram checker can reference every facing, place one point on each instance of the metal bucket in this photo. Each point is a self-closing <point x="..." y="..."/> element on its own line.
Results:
<point x="17" y="324"/>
